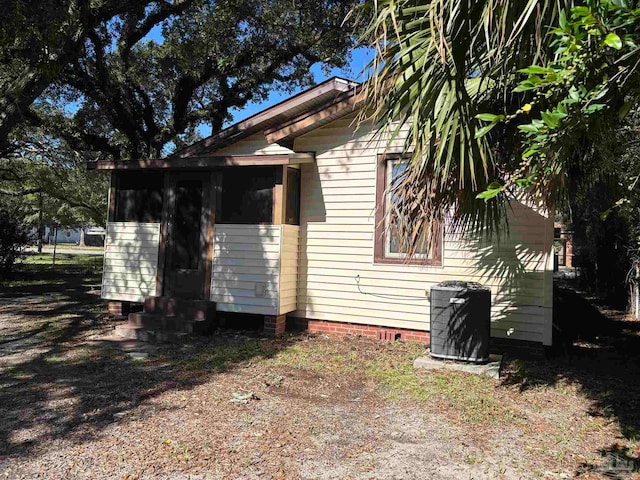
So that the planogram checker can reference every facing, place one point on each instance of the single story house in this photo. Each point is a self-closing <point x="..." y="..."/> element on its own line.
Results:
<point x="86" y="236"/>
<point x="280" y="216"/>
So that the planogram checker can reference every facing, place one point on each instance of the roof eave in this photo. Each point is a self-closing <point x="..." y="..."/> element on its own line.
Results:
<point x="266" y="118"/>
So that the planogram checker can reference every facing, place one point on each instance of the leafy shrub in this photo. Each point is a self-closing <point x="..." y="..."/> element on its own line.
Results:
<point x="13" y="236"/>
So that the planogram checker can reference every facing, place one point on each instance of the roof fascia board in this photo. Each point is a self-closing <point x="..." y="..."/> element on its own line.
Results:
<point x="347" y="103"/>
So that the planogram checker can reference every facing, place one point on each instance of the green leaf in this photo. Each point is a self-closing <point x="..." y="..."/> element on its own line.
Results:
<point x="528" y="128"/>
<point x="613" y="40"/>
<point x="524" y="182"/>
<point x="552" y="119"/>
<point x="562" y="19"/>
<point x="594" y="107"/>
<point x="524" y="86"/>
<point x="536" y="70"/>
<point x="580" y="11"/>
<point x="489" y="117"/>
<point x="484" y="130"/>
<point x="490" y="192"/>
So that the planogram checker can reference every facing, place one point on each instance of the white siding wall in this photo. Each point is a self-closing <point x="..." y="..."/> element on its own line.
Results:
<point x="289" y="268"/>
<point x="339" y="281"/>
<point x="253" y="145"/>
<point x="130" y="261"/>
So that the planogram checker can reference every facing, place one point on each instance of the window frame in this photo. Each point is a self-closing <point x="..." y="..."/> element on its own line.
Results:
<point x="381" y="253"/>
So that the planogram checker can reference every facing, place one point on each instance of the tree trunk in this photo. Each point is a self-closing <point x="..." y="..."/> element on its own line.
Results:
<point x="40" y="225"/>
<point x="55" y="243"/>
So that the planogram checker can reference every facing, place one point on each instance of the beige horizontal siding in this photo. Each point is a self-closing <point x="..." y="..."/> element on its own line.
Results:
<point x="130" y="261"/>
<point x="243" y="256"/>
<point x="288" y="287"/>
<point x="337" y="238"/>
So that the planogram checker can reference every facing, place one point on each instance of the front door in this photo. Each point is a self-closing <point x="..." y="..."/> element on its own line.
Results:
<point x="187" y="229"/>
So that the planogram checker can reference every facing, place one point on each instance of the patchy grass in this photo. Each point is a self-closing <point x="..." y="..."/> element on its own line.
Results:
<point x="38" y="270"/>
<point x="222" y="356"/>
<point x="38" y="262"/>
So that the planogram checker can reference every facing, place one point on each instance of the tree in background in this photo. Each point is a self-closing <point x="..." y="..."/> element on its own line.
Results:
<point x="38" y="40"/>
<point x="47" y="183"/>
<point x="82" y="80"/>
<point x="13" y="237"/>
<point x="138" y="81"/>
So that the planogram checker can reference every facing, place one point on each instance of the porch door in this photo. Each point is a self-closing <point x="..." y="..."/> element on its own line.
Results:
<point x="189" y="231"/>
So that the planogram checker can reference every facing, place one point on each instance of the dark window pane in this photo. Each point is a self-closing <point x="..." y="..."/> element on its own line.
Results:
<point x="293" y="197"/>
<point x="139" y="197"/>
<point x="247" y="195"/>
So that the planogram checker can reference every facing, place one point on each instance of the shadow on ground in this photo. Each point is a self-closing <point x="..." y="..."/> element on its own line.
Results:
<point x="598" y="349"/>
<point x="57" y="381"/>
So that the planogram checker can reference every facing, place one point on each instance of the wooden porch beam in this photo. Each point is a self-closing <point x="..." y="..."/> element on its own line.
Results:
<point x="203" y="161"/>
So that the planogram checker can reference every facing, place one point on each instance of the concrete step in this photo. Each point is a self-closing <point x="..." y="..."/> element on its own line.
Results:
<point x="187" y="309"/>
<point x="148" y="335"/>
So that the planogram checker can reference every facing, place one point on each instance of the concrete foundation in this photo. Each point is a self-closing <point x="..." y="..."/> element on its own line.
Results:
<point x="490" y="369"/>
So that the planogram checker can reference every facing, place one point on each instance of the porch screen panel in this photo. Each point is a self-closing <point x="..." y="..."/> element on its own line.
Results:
<point x="139" y="197"/>
<point x="247" y="195"/>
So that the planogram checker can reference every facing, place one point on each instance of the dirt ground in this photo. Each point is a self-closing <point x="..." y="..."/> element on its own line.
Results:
<point x="234" y="405"/>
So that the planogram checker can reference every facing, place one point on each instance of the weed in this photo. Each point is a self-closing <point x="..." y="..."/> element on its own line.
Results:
<point x="398" y="380"/>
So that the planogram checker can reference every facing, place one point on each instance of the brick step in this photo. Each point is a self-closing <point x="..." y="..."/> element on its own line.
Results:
<point x="188" y="309"/>
<point x="154" y="321"/>
<point x="151" y="336"/>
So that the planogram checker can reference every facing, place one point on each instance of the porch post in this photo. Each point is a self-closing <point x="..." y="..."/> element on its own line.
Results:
<point x="115" y="308"/>
<point x="215" y="187"/>
<point x="274" y="325"/>
<point x="280" y="196"/>
<point x="162" y="247"/>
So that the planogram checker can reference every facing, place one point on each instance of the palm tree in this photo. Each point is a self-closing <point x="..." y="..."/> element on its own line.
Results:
<point x="439" y="64"/>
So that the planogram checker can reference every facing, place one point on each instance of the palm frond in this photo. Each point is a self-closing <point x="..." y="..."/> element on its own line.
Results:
<point x="438" y="65"/>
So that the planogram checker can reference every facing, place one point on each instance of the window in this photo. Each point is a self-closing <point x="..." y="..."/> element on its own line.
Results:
<point x="139" y="196"/>
<point x="388" y="247"/>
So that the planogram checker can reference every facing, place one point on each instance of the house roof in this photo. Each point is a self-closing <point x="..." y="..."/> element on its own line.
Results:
<point x="280" y="123"/>
<point x="310" y="100"/>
